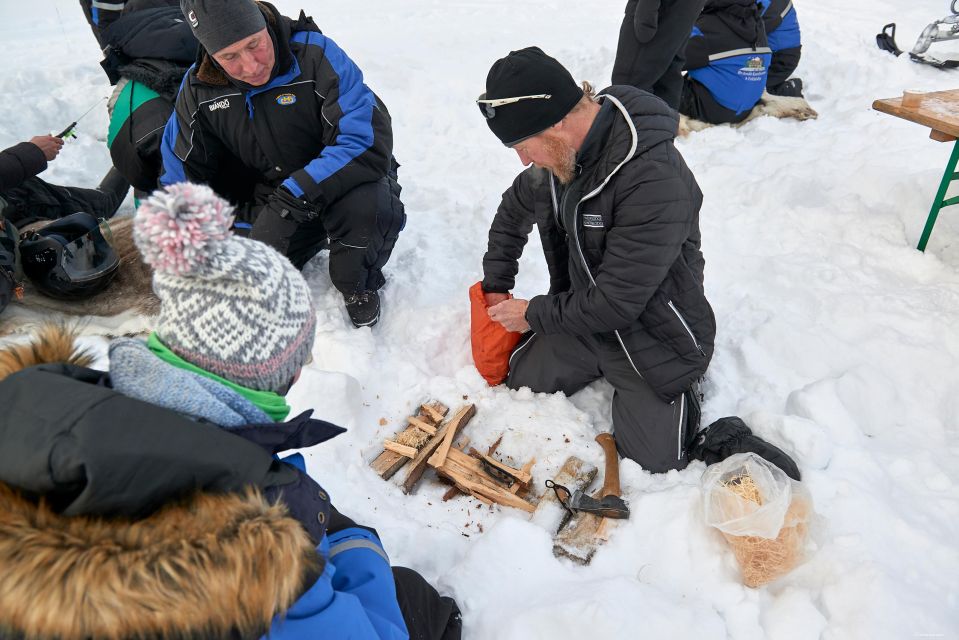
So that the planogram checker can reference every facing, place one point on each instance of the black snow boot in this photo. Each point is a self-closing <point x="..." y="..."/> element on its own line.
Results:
<point x="791" y="88"/>
<point x="115" y="186"/>
<point x="728" y="436"/>
<point x="364" y="308"/>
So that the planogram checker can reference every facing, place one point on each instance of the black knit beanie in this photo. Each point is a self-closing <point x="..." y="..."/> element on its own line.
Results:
<point x="219" y="23"/>
<point x="528" y="72"/>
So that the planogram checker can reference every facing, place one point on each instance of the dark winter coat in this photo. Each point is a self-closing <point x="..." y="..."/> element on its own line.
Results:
<point x="148" y="51"/>
<point x="781" y="24"/>
<point x="169" y="524"/>
<point x="630" y="268"/>
<point x="19" y="162"/>
<point x="728" y="55"/>
<point x="316" y="128"/>
<point x="101" y="15"/>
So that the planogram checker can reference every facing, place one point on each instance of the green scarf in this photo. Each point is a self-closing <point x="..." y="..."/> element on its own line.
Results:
<point x="272" y="404"/>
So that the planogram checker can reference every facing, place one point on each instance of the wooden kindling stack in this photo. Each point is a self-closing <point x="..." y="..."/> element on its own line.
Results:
<point x="428" y="440"/>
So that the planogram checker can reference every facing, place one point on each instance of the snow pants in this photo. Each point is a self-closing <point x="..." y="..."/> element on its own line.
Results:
<point x="698" y="103"/>
<point x="36" y="200"/>
<point x="362" y="228"/>
<point x="782" y="66"/>
<point x="654" y="433"/>
<point x="656" y="66"/>
<point x="428" y="615"/>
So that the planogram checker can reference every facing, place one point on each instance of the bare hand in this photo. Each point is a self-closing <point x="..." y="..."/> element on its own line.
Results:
<point x="511" y="314"/>
<point x="493" y="299"/>
<point x="49" y="145"/>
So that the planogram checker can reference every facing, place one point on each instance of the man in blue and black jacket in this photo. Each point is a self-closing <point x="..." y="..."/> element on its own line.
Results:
<point x="785" y="41"/>
<point x="727" y="59"/>
<point x="276" y="117"/>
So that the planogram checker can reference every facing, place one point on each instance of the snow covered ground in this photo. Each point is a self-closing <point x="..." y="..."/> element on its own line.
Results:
<point x="837" y="339"/>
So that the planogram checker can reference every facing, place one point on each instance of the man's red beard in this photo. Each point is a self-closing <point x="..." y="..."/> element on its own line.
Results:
<point x="562" y="160"/>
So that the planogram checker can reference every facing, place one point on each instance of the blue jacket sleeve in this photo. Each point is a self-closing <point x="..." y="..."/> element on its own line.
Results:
<point x="354" y="598"/>
<point x="358" y="129"/>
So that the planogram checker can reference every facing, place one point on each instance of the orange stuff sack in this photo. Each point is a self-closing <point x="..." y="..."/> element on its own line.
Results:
<point x="492" y="343"/>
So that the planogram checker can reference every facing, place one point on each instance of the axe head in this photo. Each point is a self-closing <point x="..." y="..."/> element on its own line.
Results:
<point x="607" y="507"/>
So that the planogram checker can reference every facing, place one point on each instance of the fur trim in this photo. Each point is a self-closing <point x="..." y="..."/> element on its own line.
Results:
<point x="210" y="567"/>
<point x="769" y="105"/>
<point x="52" y="343"/>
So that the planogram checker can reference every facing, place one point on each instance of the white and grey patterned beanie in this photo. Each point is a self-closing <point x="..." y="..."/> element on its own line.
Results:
<point x="232" y="306"/>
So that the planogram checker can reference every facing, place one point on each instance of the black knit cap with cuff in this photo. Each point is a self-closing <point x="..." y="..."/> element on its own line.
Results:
<point x="219" y="23"/>
<point x="528" y="72"/>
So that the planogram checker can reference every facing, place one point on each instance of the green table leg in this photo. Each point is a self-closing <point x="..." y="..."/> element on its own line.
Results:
<point x="941" y="200"/>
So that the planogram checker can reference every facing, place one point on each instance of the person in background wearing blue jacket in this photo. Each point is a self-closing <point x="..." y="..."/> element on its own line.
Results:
<point x="150" y="501"/>
<point x="277" y="119"/>
<point x="727" y="60"/>
<point x="785" y="41"/>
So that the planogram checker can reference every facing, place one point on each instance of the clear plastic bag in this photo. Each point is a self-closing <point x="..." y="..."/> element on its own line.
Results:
<point x="762" y="513"/>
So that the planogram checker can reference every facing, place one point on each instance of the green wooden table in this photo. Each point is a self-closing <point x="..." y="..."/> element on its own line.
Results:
<point x="939" y="111"/>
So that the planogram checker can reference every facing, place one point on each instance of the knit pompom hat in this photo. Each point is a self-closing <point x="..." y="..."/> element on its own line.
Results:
<point x="232" y="306"/>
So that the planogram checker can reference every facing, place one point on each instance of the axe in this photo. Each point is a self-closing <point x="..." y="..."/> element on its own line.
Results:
<point x="608" y="504"/>
<point x="588" y="529"/>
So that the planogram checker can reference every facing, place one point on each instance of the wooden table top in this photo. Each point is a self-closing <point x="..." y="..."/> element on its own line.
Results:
<point x="939" y="110"/>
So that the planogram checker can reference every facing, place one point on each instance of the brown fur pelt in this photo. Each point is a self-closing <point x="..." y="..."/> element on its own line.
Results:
<point x="52" y="343"/>
<point x="126" y="307"/>
<point x="213" y="566"/>
<point x="769" y="105"/>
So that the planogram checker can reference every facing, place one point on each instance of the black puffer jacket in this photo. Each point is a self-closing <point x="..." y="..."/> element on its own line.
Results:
<point x="19" y="162"/>
<point x="631" y="270"/>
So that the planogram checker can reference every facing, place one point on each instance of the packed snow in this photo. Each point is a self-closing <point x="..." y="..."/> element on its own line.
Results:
<point x="837" y="340"/>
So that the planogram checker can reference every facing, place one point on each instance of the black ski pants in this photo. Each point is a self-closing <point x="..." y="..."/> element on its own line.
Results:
<point x="362" y="228"/>
<point x="36" y="199"/>
<point x="698" y="103"/>
<point x="654" y="433"/>
<point x="656" y="66"/>
<point x="782" y="66"/>
<point x="428" y="615"/>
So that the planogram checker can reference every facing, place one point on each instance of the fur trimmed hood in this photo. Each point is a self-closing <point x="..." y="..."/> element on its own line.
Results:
<point x="53" y="343"/>
<point x="213" y="566"/>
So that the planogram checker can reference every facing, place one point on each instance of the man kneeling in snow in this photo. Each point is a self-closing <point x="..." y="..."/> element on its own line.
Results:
<point x="618" y="214"/>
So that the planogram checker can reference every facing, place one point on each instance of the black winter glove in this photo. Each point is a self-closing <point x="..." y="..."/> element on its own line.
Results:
<point x="279" y="218"/>
<point x="646" y="20"/>
<point x="728" y="436"/>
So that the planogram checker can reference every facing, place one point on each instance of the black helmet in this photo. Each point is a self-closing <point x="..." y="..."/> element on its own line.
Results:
<point x="69" y="258"/>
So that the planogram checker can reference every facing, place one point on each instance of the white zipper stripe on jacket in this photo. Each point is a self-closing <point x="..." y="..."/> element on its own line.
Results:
<point x="679" y="430"/>
<point x="738" y="52"/>
<point x="787" y="9"/>
<point x="685" y="325"/>
<point x="509" y="362"/>
<point x="592" y="194"/>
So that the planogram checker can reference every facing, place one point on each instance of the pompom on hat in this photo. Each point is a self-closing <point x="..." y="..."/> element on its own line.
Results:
<point x="232" y="306"/>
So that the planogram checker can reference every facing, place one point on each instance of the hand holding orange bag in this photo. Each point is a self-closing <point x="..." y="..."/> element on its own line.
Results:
<point x="492" y="343"/>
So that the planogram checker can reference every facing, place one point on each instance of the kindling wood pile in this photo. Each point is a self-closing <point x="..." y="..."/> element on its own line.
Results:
<point x="434" y="438"/>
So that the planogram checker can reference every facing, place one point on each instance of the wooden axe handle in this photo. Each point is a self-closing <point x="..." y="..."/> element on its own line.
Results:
<point x="611" y="478"/>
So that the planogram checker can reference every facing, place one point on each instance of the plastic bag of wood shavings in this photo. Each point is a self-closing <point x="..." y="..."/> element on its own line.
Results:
<point x="762" y="513"/>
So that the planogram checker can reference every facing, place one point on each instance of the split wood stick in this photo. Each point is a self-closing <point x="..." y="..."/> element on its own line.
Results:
<point x="521" y="476"/>
<point x="435" y="412"/>
<point x="495" y="445"/>
<point x="527" y="468"/>
<point x="388" y="462"/>
<point x="402" y="449"/>
<point x="422" y="426"/>
<point x="459" y="468"/>
<point x="462" y="416"/>
<point x="419" y="463"/>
